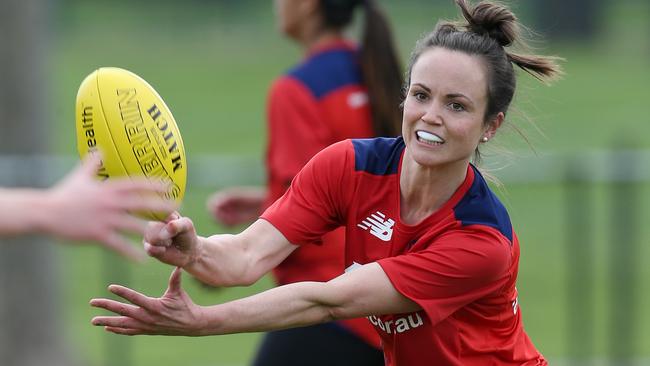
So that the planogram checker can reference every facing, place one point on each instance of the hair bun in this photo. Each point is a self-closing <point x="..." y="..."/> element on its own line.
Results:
<point x="492" y="20"/>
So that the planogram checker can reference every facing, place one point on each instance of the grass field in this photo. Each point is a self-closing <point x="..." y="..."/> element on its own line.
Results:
<point x="213" y="64"/>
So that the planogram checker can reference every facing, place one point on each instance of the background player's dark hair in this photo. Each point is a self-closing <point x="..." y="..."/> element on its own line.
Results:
<point x="488" y="29"/>
<point x="380" y="66"/>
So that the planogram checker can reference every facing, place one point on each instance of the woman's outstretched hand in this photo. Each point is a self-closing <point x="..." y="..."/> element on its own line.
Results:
<point x="174" y="313"/>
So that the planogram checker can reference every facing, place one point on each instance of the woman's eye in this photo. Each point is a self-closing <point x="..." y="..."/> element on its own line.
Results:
<point x="420" y="96"/>
<point x="456" y="107"/>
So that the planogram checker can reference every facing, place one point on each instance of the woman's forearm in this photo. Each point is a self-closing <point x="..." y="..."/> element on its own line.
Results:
<point x="294" y="305"/>
<point x="220" y="261"/>
<point x="239" y="260"/>
<point x="362" y="292"/>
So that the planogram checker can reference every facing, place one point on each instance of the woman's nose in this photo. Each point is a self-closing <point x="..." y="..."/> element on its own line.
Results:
<point x="432" y="115"/>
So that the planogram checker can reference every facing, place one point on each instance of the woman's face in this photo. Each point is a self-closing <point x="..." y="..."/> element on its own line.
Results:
<point x="290" y="15"/>
<point x="445" y="107"/>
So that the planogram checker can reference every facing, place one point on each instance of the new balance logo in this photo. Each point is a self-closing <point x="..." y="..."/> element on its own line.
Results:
<point x="378" y="225"/>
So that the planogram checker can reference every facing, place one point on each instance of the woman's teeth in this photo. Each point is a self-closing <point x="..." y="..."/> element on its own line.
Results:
<point x="429" y="138"/>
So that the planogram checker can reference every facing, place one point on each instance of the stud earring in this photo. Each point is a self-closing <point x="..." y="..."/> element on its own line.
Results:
<point x="484" y="139"/>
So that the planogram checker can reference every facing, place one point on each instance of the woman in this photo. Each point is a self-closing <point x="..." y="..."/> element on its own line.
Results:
<point x="432" y="254"/>
<point x="337" y="91"/>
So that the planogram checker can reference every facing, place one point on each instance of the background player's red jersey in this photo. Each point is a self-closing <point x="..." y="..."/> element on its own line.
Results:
<point x="459" y="264"/>
<point x="317" y="103"/>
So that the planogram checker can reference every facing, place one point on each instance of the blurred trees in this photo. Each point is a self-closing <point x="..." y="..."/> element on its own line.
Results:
<point x="573" y="20"/>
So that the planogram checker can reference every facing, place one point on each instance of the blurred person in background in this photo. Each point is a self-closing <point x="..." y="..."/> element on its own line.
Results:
<point x="431" y="253"/>
<point x="338" y="91"/>
<point x="82" y="208"/>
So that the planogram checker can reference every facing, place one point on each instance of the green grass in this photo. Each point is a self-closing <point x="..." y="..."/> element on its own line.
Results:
<point x="213" y="65"/>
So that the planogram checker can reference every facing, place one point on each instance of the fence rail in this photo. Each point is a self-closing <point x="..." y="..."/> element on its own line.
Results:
<point x="212" y="170"/>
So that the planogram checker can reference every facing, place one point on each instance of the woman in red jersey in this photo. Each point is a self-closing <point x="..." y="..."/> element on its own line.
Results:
<point x="337" y="91"/>
<point x="431" y="253"/>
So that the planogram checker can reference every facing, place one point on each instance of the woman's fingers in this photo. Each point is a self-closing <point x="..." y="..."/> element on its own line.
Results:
<point x="133" y="296"/>
<point x="155" y="251"/>
<point x="125" y="331"/>
<point x="117" y="307"/>
<point x="156" y="234"/>
<point x="123" y="322"/>
<point x="177" y="227"/>
<point x="175" y="281"/>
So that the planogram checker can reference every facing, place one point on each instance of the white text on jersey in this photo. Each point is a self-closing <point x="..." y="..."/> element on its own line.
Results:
<point x="399" y="325"/>
<point x="515" y="305"/>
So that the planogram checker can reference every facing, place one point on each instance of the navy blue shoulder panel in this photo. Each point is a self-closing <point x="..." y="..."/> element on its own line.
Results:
<point x="328" y="71"/>
<point x="379" y="156"/>
<point x="480" y="206"/>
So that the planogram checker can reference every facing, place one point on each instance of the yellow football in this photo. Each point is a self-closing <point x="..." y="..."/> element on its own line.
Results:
<point x="120" y="114"/>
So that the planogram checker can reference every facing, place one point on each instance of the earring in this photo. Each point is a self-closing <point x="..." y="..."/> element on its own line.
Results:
<point x="484" y="139"/>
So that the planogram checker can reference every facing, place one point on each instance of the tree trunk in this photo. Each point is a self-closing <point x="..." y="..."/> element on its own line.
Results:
<point x="30" y="334"/>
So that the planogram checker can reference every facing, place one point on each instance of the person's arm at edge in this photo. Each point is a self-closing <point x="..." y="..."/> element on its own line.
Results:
<point x="24" y="211"/>
<point x="81" y="208"/>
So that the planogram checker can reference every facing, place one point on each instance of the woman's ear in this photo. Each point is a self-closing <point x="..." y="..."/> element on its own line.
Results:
<point x="493" y="125"/>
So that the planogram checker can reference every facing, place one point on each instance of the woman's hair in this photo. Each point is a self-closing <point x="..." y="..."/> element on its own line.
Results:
<point x="380" y="66"/>
<point x="488" y="30"/>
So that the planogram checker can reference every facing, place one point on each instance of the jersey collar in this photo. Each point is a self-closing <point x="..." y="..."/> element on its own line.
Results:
<point x="335" y="44"/>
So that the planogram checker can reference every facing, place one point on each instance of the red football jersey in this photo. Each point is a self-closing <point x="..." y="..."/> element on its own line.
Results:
<point x="317" y="103"/>
<point x="459" y="264"/>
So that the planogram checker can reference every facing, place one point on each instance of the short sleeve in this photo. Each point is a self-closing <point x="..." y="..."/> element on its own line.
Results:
<point x="316" y="202"/>
<point x="453" y="271"/>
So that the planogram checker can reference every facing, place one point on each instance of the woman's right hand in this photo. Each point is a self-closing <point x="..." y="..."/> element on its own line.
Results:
<point x="174" y="313"/>
<point x="236" y="206"/>
<point x="173" y="241"/>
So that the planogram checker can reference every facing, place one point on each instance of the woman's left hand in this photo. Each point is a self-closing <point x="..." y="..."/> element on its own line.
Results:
<point x="172" y="314"/>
